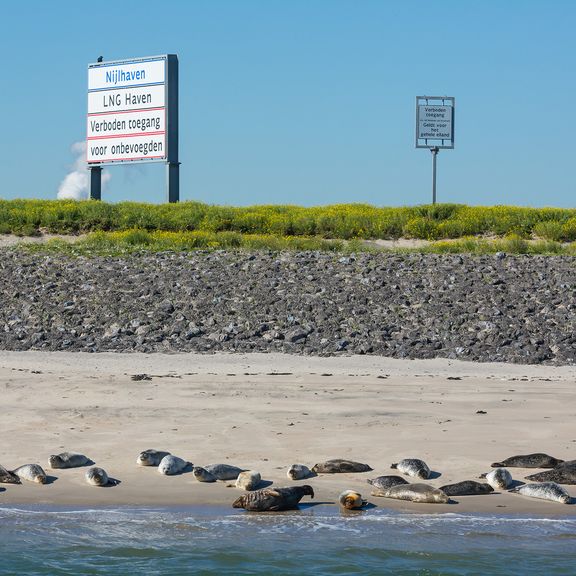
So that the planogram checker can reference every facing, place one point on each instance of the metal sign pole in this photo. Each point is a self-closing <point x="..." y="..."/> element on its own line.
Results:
<point x="95" y="182"/>
<point x="172" y="164"/>
<point x="434" y="151"/>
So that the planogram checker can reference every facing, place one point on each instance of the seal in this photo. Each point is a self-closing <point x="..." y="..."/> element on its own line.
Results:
<point x="248" y="480"/>
<point x="413" y="467"/>
<point x="564" y="473"/>
<point x="546" y="491"/>
<point x="273" y="499"/>
<point x="351" y="500"/>
<point x="32" y="473"/>
<point x="386" y="481"/>
<point x="97" y="476"/>
<point x="537" y="460"/>
<point x="213" y="472"/>
<point x="7" y="477"/>
<point x="499" y="478"/>
<point x="422" y="493"/>
<point x="467" y="488"/>
<point x="171" y="465"/>
<point x="339" y="466"/>
<point x="68" y="460"/>
<point x="151" y="457"/>
<point x="298" y="472"/>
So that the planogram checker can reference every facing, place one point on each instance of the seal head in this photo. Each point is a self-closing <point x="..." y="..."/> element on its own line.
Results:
<point x="351" y="500"/>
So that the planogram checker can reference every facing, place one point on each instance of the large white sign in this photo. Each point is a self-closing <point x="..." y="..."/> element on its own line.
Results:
<point x="127" y="111"/>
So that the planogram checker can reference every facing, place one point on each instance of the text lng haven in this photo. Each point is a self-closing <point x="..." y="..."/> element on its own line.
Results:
<point x="124" y="99"/>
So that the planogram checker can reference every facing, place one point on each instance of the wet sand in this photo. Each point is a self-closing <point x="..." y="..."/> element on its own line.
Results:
<point x="267" y="411"/>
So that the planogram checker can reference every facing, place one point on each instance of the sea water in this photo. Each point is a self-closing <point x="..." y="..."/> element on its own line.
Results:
<point x="314" y="540"/>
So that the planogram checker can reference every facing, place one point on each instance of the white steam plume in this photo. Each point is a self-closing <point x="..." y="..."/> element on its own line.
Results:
<point x="76" y="184"/>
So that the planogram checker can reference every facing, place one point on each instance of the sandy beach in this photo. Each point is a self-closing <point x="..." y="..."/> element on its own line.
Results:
<point x="267" y="411"/>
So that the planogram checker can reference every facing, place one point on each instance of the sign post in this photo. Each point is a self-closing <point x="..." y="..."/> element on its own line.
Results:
<point x="434" y="127"/>
<point x="133" y="117"/>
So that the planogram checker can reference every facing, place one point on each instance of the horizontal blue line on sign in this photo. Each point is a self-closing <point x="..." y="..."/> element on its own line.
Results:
<point x="125" y="62"/>
<point x="125" y="87"/>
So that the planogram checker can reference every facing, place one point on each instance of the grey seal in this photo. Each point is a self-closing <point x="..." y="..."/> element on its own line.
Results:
<point x="68" y="460"/>
<point x="32" y="473"/>
<point x="298" y="472"/>
<point x="499" y="478"/>
<point x="273" y="499"/>
<point x="151" y="457"/>
<point x="386" y="481"/>
<point x="467" y="488"/>
<point x="97" y="476"/>
<point x="422" y="493"/>
<point x="546" y="491"/>
<point x="170" y="465"/>
<point x="7" y="477"/>
<point x="564" y="473"/>
<point x="338" y="466"/>
<point x="351" y="500"/>
<point x="213" y="472"/>
<point x="248" y="480"/>
<point x="413" y="467"/>
<point x="537" y="460"/>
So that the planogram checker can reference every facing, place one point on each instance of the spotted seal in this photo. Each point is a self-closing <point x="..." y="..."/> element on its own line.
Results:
<point x="564" y="473"/>
<point x="68" y="460"/>
<point x="413" y="467"/>
<point x="537" y="460"/>
<point x="467" y="488"/>
<point x="248" y="480"/>
<point x="298" y="472"/>
<point x="7" y="477"/>
<point x="351" y="500"/>
<point x="273" y="499"/>
<point x="383" y="482"/>
<point x="171" y="465"/>
<point x="338" y="466"/>
<point x="213" y="472"/>
<point x="151" y="457"/>
<point x="97" y="476"/>
<point x="546" y="491"/>
<point x="32" y="473"/>
<point x="422" y="493"/>
<point x="499" y="478"/>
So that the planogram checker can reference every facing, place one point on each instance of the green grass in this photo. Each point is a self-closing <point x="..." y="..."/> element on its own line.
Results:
<point x="138" y="241"/>
<point x="129" y="227"/>
<point x="339" y="221"/>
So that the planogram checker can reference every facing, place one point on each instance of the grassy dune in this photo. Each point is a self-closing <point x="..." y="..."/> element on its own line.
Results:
<point x="129" y="226"/>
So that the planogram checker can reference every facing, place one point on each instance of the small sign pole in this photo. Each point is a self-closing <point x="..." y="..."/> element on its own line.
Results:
<point x="95" y="182"/>
<point x="434" y="151"/>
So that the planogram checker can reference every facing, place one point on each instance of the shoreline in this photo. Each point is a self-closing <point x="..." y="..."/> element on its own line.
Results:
<point x="268" y="411"/>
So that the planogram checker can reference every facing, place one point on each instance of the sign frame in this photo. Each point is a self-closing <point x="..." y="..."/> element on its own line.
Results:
<point x="170" y="101"/>
<point x="447" y="102"/>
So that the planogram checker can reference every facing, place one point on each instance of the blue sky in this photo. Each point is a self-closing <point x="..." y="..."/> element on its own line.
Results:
<point x="306" y="102"/>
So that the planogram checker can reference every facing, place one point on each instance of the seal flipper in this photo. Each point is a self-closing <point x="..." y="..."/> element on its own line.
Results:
<point x="394" y="465"/>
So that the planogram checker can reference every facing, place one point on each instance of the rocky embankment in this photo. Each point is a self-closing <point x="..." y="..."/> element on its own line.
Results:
<point x="485" y="308"/>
